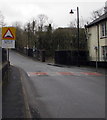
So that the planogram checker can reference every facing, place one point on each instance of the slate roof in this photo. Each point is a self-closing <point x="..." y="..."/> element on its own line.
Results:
<point x="98" y="20"/>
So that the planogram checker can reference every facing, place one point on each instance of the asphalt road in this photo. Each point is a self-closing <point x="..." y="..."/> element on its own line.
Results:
<point x="61" y="92"/>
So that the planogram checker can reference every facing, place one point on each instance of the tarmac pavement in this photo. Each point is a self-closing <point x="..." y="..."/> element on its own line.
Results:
<point x="13" y="99"/>
<point x="89" y="68"/>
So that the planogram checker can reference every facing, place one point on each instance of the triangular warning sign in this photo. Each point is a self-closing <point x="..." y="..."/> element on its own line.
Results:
<point x="8" y="34"/>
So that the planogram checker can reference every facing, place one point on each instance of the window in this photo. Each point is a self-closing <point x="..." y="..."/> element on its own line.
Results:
<point x="104" y="29"/>
<point x="104" y="52"/>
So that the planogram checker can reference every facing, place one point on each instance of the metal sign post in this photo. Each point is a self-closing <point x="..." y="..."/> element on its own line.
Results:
<point x="8" y="39"/>
<point x="8" y="55"/>
<point x="96" y="50"/>
<point x="96" y="62"/>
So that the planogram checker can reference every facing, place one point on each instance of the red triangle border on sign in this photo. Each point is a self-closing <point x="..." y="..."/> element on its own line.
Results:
<point x="8" y="37"/>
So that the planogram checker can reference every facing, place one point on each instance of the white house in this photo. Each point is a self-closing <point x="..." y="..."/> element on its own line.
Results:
<point x="97" y="39"/>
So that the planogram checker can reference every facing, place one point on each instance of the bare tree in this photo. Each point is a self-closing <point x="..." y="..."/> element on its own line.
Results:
<point x="17" y="24"/>
<point x="73" y="24"/>
<point x="1" y="19"/>
<point x="41" y="19"/>
<point x="96" y="14"/>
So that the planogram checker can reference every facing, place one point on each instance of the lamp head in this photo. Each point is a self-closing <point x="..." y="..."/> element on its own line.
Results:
<point x="71" y="12"/>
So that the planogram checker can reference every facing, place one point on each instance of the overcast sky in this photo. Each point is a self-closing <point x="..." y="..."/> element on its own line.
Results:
<point x="56" y="10"/>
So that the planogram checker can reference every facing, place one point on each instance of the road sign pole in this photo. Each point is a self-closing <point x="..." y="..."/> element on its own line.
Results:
<point x="96" y="62"/>
<point x="8" y="54"/>
<point x="8" y="64"/>
<point x="96" y="50"/>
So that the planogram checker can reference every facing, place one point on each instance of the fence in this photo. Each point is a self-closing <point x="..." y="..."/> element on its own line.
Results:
<point x="71" y="57"/>
<point x="102" y="64"/>
<point x="37" y="54"/>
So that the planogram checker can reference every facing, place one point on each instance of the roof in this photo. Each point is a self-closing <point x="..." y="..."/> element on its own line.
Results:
<point x="98" y="20"/>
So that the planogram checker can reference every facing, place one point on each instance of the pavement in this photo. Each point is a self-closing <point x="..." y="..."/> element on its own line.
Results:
<point x="89" y="68"/>
<point x="13" y="98"/>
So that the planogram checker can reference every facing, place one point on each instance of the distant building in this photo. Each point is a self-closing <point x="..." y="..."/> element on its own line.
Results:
<point x="97" y="38"/>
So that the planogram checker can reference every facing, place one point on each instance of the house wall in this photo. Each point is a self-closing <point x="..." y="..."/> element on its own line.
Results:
<point x="95" y="39"/>
<point x="102" y="42"/>
<point x="92" y="42"/>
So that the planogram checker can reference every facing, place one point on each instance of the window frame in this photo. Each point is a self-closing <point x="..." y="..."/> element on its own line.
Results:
<point x="103" y="29"/>
<point x="104" y="53"/>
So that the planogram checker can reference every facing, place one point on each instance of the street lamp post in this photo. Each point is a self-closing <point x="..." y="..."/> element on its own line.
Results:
<point x="71" y="12"/>
<point x="78" y="33"/>
<point x="96" y="51"/>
